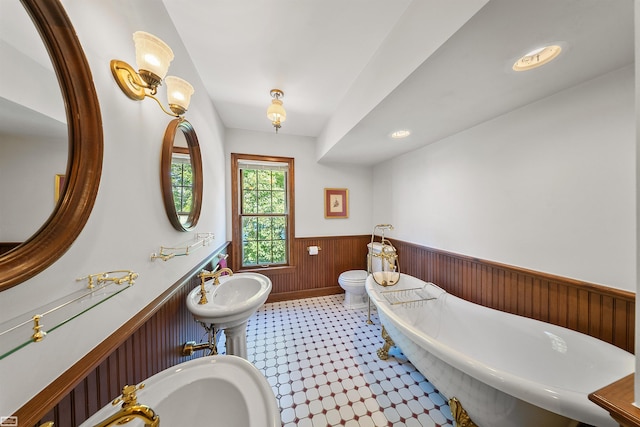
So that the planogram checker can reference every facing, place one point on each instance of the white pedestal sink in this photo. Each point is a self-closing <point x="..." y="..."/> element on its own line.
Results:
<point x="229" y="306"/>
<point x="215" y="390"/>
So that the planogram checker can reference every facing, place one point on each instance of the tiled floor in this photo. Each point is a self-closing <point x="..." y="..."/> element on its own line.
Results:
<point x="321" y="362"/>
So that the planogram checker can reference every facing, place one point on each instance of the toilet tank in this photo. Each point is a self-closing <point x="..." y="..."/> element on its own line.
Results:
<point x="377" y="263"/>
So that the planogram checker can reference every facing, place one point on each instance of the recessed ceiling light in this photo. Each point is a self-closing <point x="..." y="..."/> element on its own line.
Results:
<point x="537" y="57"/>
<point x="399" y="134"/>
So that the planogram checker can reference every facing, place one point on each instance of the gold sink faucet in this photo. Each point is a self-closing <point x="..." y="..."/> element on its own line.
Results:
<point x="204" y="274"/>
<point x="131" y="409"/>
<point x="215" y="274"/>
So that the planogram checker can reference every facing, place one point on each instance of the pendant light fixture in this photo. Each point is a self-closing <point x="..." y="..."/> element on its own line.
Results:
<point x="276" y="112"/>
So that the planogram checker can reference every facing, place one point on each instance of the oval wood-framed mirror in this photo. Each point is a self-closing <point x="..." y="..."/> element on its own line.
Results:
<point x="181" y="175"/>
<point x="84" y="164"/>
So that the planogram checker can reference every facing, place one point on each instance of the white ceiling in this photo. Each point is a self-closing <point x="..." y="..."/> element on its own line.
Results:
<point x="353" y="71"/>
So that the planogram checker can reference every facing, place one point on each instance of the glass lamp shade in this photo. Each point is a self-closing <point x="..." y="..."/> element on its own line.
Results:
<point x="152" y="54"/>
<point x="179" y="92"/>
<point x="276" y="112"/>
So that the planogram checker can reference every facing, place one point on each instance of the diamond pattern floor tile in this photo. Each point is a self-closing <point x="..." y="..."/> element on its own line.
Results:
<point x="321" y="362"/>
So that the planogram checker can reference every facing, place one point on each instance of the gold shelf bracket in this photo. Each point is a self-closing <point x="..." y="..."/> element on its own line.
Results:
<point x="127" y="276"/>
<point x="38" y="334"/>
<point x="166" y="253"/>
<point x="14" y="331"/>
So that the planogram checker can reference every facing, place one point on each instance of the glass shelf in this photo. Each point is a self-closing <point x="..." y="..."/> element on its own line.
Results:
<point x="37" y="324"/>
<point x="166" y="253"/>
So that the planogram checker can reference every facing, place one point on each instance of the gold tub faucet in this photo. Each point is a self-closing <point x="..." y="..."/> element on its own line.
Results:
<point x="131" y="410"/>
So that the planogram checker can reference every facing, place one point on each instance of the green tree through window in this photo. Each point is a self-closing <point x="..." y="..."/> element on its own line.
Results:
<point x="263" y="191"/>
<point x="182" y="186"/>
<point x="264" y="230"/>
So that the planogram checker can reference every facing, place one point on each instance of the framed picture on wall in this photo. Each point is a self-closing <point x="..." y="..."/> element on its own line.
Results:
<point x="336" y="203"/>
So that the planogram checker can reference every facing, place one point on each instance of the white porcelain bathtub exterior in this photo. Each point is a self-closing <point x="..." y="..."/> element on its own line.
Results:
<point x="506" y="370"/>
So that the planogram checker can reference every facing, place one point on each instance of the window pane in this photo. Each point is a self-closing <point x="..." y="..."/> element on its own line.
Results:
<point x="264" y="202"/>
<point x="249" y="229"/>
<point x="250" y="253"/>
<point x="279" y="228"/>
<point x="177" y="196"/>
<point x="264" y="180"/>
<point x="264" y="229"/>
<point x="250" y="202"/>
<point x="176" y="174"/>
<point x="264" y="252"/>
<point x="187" y="176"/>
<point x="182" y="187"/>
<point x="278" y="181"/>
<point x="279" y="252"/>
<point x="279" y="204"/>
<point x="187" y="199"/>
<point x="249" y="179"/>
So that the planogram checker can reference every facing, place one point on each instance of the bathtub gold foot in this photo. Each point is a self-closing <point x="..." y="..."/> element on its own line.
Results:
<point x="383" y="353"/>
<point x="460" y="416"/>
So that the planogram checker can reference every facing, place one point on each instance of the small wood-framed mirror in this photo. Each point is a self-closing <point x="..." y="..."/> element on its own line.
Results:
<point x="181" y="175"/>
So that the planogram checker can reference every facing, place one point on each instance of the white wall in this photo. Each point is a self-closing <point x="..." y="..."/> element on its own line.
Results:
<point x="128" y="221"/>
<point x="549" y="187"/>
<point x="310" y="180"/>
<point x="30" y="165"/>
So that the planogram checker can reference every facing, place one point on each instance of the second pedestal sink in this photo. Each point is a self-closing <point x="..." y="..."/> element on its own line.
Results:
<point x="216" y="390"/>
<point x="229" y="306"/>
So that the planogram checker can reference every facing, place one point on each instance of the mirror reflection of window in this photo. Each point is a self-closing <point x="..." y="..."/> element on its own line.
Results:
<point x="181" y="175"/>
<point x="182" y="183"/>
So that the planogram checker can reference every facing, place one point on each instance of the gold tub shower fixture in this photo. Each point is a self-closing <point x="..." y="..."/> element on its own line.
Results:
<point x="388" y="256"/>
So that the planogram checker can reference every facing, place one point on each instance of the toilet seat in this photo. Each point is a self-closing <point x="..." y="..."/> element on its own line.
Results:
<point x="354" y="276"/>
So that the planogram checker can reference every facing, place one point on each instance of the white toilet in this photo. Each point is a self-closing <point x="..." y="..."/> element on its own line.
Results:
<point x="353" y="281"/>
<point x="355" y="295"/>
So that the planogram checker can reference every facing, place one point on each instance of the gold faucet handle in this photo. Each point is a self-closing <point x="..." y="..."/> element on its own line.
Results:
<point x="128" y="397"/>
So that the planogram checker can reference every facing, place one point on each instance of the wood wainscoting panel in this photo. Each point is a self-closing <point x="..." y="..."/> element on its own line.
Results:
<point x="316" y="275"/>
<point x="603" y="312"/>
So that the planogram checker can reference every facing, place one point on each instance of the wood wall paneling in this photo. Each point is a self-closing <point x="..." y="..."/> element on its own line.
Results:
<point x="316" y="275"/>
<point x="603" y="312"/>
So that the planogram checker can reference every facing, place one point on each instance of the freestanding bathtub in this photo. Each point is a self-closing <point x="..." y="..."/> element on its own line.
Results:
<point x="505" y="370"/>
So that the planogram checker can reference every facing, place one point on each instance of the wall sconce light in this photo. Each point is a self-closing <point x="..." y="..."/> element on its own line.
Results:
<point x="276" y="112"/>
<point x="153" y="57"/>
